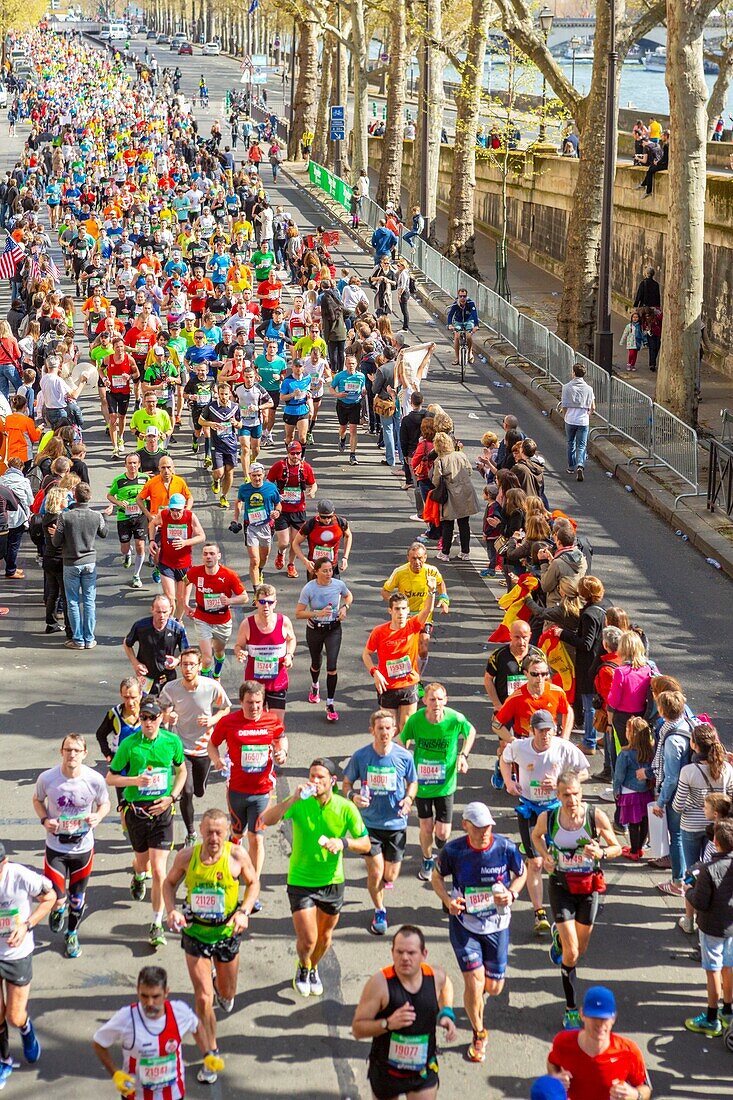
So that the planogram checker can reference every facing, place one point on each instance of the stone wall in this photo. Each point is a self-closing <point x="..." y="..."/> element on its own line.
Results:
<point x="540" y="194"/>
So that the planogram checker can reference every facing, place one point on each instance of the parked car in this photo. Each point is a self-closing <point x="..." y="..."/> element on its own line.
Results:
<point x="151" y="35"/>
<point x="211" y="49"/>
<point x="185" y="47"/>
<point x="162" y="40"/>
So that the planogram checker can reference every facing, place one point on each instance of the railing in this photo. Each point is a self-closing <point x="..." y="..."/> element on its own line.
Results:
<point x="660" y="437"/>
<point x="720" y="478"/>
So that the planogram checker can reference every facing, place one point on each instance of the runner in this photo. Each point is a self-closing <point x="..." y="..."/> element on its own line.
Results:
<point x="411" y="581"/>
<point x="390" y="655"/>
<point x="323" y="534"/>
<point x="348" y="386"/>
<point x="317" y="369"/>
<point x="255" y="742"/>
<point x="19" y="887"/>
<point x="155" y="768"/>
<point x="488" y="876"/>
<point x="119" y="373"/>
<point x="216" y="589"/>
<point x="150" y="416"/>
<point x="120" y="720"/>
<point x="325" y="825"/>
<point x="131" y="526"/>
<point x="258" y="504"/>
<point x="213" y="921"/>
<point x="270" y="368"/>
<point x="197" y="395"/>
<point x="512" y="718"/>
<point x="297" y="403"/>
<point x="265" y="645"/>
<point x="324" y="603"/>
<point x="387" y="789"/>
<point x="223" y="418"/>
<point x="569" y="840"/>
<point x="254" y="401"/>
<point x="530" y="767"/>
<point x="293" y="476"/>
<point x="505" y="674"/>
<point x="436" y="732"/>
<point x="399" y="1010"/>
<point x="180" y="530"/>
<point x="195" y="704"/>
<point x="71" y="800"/>
<point x="160" y="640"/>
<point x="151" y="1032"/>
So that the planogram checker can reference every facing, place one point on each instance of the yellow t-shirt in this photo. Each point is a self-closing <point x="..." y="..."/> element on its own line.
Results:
<point x="413" y="585"/>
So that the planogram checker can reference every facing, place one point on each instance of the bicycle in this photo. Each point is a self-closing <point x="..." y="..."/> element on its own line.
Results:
<point x="462" y="352"/>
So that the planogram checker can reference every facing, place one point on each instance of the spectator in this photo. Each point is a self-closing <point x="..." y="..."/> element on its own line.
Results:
<point x="76" y="533"/>
<point x="383" y="241"/>
<point x="453" y="469"/>
<point x="566" y="561"/>
<point x="648" y="292"/>
<point x="18" y="495"/>
<point x="577" y="404"/>
<point x="711" y="896"/>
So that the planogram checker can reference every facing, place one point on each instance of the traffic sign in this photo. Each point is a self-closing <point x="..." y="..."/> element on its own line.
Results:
<point x="338" y="114"/>
<point x="337" y="127"/>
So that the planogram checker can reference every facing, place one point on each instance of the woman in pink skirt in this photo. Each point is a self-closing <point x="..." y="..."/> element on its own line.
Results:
<point x="632" y="785"/>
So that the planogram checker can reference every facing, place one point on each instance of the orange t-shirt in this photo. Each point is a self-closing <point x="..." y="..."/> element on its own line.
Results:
<point x="158" y="495"/>
<point x="396" y="652"/>
<point x="17" y="427"/>
<point x="520" y="706"/>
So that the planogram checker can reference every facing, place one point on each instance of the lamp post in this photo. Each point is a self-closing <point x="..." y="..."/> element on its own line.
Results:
<point x="575" y="44"/>
<point x="425" y="129"/>
<point x="604" y="336"/>
<point x="337" y="144"/>
<point x="546" y="18"/>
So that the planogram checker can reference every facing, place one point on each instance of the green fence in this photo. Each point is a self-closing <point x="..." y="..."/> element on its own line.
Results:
<point x="332" y="185"/>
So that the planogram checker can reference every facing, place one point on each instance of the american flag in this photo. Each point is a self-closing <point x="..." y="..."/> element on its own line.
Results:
<point x="10" y="258"/>
<point x="52" y="269"/>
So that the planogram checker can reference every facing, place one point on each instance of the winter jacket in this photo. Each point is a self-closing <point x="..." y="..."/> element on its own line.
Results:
<point x="462" y="500"/>
<point x="672" y="753"/>
<point x="13" y="479"/>
<point x="566" y="563"/>
<point x="630" y="688"/>
<point x="332" y="316"/>
<point x="632" y="336"/>
<point x="383" y="241"/>
<point x="588" y="642"/>
<point x="410" y="431"/>
<point x="531" y="476"/>
<point x="76" y="533"/>
<point x="712" y="896"/>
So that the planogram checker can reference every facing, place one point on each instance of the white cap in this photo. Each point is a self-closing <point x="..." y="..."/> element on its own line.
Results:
<point x="478" y="814"/>
<point x="151" y="430"/>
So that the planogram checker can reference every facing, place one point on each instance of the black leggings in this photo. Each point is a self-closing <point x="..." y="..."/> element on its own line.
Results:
<point x="319" y="638"/>
<point x="404" y="309"/>
<point x="464" y="534"/>
<point x="336" y="350"/>
<point x="197" y="773"/>
<point x="53" y="584"/>
<point x="638" y="832"/>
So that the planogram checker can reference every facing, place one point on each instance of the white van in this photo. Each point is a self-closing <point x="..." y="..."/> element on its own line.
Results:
<point x="113" y="32"/>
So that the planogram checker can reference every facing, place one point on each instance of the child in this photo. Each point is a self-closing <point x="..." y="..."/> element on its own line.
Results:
<point x="631" y="785"/>
<point x="486" y="461"/>
<point x="27" y="389"/>
<point x="491" y="528"/>
<point x="708" y="897"/>
<point x="716" y="807"/>
<point x="632" y="339"/>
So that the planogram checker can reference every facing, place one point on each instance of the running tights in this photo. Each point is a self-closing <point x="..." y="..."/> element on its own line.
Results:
<point x="318" y="639"/>
<point x="197" y="773"/>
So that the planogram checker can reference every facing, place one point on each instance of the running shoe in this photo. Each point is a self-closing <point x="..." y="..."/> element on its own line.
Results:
<point x="316" y="985"/>
<point x="426" y="871"/>
<point x="191" y="839"/>
<point x="156" y="936"/>
<point x="342" y="444"/>
<point x="541" y="923"/>
<point x="207" y="462"/>
<point x="127" y="560"/>
<point x="137" y="888"/>
<point x="206" y="1076"/>
<point x="314" y="695"/>
<point x="571" y="1020"/>
<point x="497" y="779"/>
<point x="416" y="518"/>
<point x="477" y="1050"/>
<point x="73" y="948"/>
<point x="57" y="918"/>
<point x="280" y="560"/>
<point x="31" y="1046"/>
<point x="379" y="924"/>
<point x="226" y="1004"/>
<point x="292" y="571"/>
<point x="309" y="439"/>
<point x="354" y="461"/>
<point x="555" y="946"/>
<point x="675" y="889"/>
<point x="136" y="582"/>
<point x="156" y="575"/>
<point x="726" y="1018"/>
<point x="302" y="981"/>
<point x="6" y="1068"/>
<point x="223" y="502"/>
<point x="195" y="446"/>
<point x="332" y="715"/>
<point x="215" y="486"/>
<point x="687" y="924"/>
<point x="702" y="1026"/>
<point x="441" y="556"/>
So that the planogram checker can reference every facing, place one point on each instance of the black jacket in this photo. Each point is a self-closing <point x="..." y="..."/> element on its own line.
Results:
<point x="648" y="294"/>
<point x="410" y="431"/>
<point x="588" y="646"/>
<point x="712" y="896"/>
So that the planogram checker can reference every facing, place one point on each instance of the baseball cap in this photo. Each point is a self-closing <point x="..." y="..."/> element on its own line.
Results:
<point x="151" y="430"/>
<point x="150" y="708"/>
<point x="325" y="508"/>
<point x="295" y="448"/>
<point x="190" y="316"/>
<point x="324" y="762"/>
<point x="599" y="1003"/>
<point x="176" y="282"/>
<point x="257" y="466"/>
<point x="177" y="501"/>
<point x="542" y="720"/>
<point x="158" y="350"/>
<point x="478" y="814"/>
<point x="548" y="1088"/>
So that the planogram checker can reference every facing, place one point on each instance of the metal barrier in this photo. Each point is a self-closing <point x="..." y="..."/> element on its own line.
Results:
<point x="560" y="359"/>
<point x="600" y="381"/>
<point x="532" y="344"/>
<point x="632" y="415"/>
<point x="720" y="477"/>
<point x="674" y="445"/>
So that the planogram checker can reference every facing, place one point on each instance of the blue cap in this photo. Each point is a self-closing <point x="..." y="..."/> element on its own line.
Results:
<point x="599" y="1003"/>
<point x="177" y="500"/>
<point x="548" y="1088"/>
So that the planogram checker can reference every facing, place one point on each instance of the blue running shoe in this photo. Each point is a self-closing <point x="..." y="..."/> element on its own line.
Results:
<point x="379" y="924"/>
<point x="31" y="1046"/>
<point x="6" y="1068"/>
<point x="555" y="946"/>
<point x="497" y="779"/>
<point x="571" y="1020"/>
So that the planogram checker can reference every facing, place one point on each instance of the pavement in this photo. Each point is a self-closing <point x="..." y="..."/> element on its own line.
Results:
<point x="277" y="1045"/>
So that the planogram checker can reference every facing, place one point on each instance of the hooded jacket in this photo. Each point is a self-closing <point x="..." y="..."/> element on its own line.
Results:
<point x="577" y="400"/>
<point x="712" y="896"/>
<point x="569" y="562"/>
<point x="531" y="476"/>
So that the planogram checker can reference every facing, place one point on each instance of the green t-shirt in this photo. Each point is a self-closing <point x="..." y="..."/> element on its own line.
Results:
<point x="436" y="750"/>
<point x="267" y="370"/>
<point x="178" y="344"/>
<point x="141" y="420"/>
<point x="310" y="864"/>
<point x="139" y="754"/>
<point x="263" y="264"/>
<point x="125" y="490"/>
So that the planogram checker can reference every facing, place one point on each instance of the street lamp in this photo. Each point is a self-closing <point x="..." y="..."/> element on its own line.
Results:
<point x="575" y="44"/>
<point x="546" y="18"/>
<point x="424" y="107"/>
<point x="603" y="348"/>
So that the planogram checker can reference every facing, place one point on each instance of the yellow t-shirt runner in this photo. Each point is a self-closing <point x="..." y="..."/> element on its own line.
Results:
<point x="413" y="585"/>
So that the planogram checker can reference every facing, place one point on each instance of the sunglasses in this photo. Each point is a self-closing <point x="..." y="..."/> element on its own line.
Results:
<point x="539" y="675"/>
<point x="266" y="603"/>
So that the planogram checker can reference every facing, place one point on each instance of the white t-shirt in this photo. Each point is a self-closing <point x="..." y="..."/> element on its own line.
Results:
<point x="70" y="801"/>
<point x="535" y="766"/>
<point x="577" y="401"/>
<point x="208" y="696"/>
<point x="19" y="886"/>
<point x="55" y="391"/>
<point x="138" y="1037"/>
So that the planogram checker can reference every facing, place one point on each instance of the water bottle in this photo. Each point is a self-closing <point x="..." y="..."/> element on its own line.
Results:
<point x="226" y="768"/>
<point x="365" y="793"/>
<point x="308" y="791"/>
<point x="715" y="564"/>
<point x="501" y="909"/>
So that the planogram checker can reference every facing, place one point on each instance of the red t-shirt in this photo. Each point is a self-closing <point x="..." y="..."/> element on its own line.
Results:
<point x="199" y="290"/>
<point x="291" y="481"/>
<point x="139" y="341"/>
<point x="592" y="1077"/>
<point x="208" y="587"/>
<point x="249" y="744"/>
<point x="395" y="650"/>
<point x="520" y="706"/>
<point x="268" y="293"/>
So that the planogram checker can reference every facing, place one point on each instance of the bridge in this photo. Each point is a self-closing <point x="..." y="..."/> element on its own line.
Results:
<point x="577" y="27"/>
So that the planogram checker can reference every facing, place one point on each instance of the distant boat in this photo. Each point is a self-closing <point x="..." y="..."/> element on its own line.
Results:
<point x="656" y="60"/>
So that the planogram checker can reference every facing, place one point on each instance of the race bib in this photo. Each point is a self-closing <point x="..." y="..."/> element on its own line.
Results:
<point x="212" y="601"/>
<point x="257" y="515"/>
<point x="207" y="902"/>
<point x="573" y="862"/>
<point x="120" y="381"/>
<point x="255" y="758"/>
<point x="266" y="667"/>
<point x="399" y="667"/>
<point x="538" y="793"/>
<point x="133" y="510"/>
<point x="9" y="921"/>
<point x="323" y="552"/>
<point x="381" y="779"/>
<point x="431" y="772"/>
<point x="223" y="429"/>
<point x="513" y="683"/>
<point x="292" y="494"/>
<point x="177" y="531"/>
<point x="156" y="1073"/>
<point x="479" y="902"/>
<point x="408" y="1052"/>
<point x="352" y="387"/>
<point x="203" y="397"/>
<point x="74" y="823"/>
<point x="158" y="784"/>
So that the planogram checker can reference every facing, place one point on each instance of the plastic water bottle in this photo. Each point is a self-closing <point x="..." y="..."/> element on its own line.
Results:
<point x="715" y="564"/>
<point x="308" y="791"/>
<point x="365" y="793"/>
<point x="497" y="888"/>
<point x="609" y="473"/>
<point x="226" y="769"/>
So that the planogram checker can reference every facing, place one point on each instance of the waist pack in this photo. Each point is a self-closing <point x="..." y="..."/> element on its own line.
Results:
<point x="585" y="882"/>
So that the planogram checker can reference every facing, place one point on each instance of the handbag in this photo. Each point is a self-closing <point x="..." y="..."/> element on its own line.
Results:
<point x="501" y="542"/>
<point x="384" y="406"/>
<point x="440" y="491"/>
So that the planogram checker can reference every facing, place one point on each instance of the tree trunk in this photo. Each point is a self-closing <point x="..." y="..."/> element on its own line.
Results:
<point x="684" y="248"/>
<point x="304" y="113"/>
<point x="435" y="105"/>
<point x="342" y="97"/>
<point x="322" y="147"/>
<point x="719" y="91"/>
<point x="461" y="234"/>
<point x="359" y="143"/>
<point x="390" y="169"/>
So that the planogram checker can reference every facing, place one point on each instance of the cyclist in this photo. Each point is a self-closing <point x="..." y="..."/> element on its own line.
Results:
<point x="462" y="317"/>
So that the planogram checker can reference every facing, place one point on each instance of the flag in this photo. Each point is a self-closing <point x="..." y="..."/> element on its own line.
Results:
<point x="35" y="270"/>
<point x="512" y="604"/>
<point x="254" y="5"/>
<point x="53" y="270"/>
<point x="10" y="258"/>
<point x="560" y="662"/>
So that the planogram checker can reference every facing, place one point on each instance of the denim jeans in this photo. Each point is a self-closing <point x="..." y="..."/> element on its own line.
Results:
<point x="676" y="851"/>
<point x="56" y="417"/>
<point x="589" y="734"/>
<point x="80" y="586"/>
<point x="9" y="376"/>
<point x="391" y="432"/>
<point x="693" y="845"/>
<point x="577" y="437"/>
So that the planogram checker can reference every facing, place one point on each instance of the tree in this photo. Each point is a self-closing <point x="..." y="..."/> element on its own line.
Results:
<point x="390" y="169"/>
<point x="304" y="94"/>
<point x="431" y="97"/>
<point x="723" y="58"/>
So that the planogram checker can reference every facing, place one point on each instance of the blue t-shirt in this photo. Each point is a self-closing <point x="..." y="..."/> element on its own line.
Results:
<point x="349" y="386"/>
<point x="474" y="872"/>
<point x="317" y="596"/>
<point x="53" y="194"/>
<point x="203" y="354"/>
<point x="388" y="778"/>
<point x="219" y="266"/>
<point x="258" y="503"/>
<point x="294" y="406"/>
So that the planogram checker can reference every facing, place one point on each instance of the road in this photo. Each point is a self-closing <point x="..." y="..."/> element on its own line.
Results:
<point x="275" y="1044"/>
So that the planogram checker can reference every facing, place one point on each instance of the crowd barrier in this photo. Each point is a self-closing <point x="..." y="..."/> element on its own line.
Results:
<point x="660" y="438"/>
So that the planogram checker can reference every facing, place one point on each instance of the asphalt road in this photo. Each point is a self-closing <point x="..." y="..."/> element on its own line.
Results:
<point x="277" y="1045"/>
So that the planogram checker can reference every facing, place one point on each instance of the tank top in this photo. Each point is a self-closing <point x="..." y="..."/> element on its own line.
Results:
<point x="566" y="845"/>
<point x="155" y="1059"/>
<point x="212" y="895"/>
<point x="298" y="322"/>
<point x="175" y="559"/>
<point x="410" y="1052"/>
<point x="324" y="540"/>
<point x="265" y="656"/>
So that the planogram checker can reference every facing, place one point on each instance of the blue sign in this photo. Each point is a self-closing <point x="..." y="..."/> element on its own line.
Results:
<point x="337" y="127"/>
<point x="338" y="114"/>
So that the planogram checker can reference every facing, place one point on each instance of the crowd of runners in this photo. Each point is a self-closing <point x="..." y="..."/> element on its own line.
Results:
<point x="214" y="329"/>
